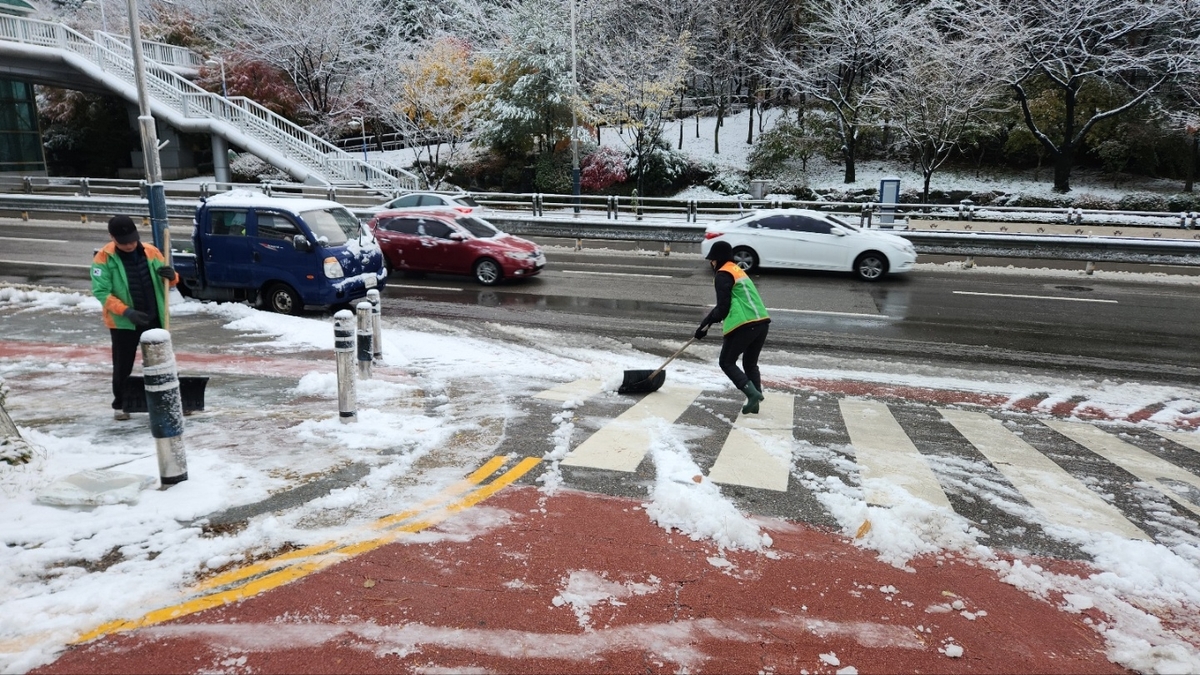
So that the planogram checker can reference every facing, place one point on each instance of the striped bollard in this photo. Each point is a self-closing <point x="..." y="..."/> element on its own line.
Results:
<point x="343" y="350"/>
<point x="165" y="405"/>
<point x="365" y="350"/>
<point x="376" y="324"/>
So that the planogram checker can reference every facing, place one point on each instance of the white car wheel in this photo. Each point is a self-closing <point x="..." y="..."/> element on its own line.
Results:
<point x="871" y="266"/>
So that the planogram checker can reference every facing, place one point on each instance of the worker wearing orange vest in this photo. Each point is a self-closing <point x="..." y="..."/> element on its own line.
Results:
<point x="744" y="323"/>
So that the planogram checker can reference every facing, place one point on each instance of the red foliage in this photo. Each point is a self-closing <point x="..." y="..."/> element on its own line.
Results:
<point x="602" y="169"/>
<point x="261" y="82"/>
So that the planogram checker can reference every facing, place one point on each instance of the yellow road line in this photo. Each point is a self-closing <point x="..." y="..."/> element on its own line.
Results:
<point x="321" y="561"/>
<point x="226" y="578"/>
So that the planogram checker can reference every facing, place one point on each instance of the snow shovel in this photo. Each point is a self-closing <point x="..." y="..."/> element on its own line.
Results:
<point x="646" y="381"/>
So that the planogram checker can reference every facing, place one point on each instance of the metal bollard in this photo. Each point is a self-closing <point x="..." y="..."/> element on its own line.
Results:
<point x="165" y="405"/>
<point x="364" y="340"/>
<point x="376" y="324"/>
<point x="1089" y="268"/>
<point x="343" y="351"/>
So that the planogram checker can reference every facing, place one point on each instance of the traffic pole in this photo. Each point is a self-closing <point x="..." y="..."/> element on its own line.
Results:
<point x="376" y="324"/>
<point x="165" y="405"/>
<point x="343" y="351"/>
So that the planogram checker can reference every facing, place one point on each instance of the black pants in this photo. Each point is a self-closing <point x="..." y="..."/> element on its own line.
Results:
<point x="124" y="352"/>
<point x="747" y="342"/>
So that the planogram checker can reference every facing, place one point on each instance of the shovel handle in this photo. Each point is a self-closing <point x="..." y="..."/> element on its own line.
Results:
<point x="660" y="368"/>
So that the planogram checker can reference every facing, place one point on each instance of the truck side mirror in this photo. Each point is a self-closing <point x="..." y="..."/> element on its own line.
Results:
<point x="301" y="243"/>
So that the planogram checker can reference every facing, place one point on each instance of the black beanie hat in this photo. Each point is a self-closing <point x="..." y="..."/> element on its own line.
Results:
<point x="122" y="229"/>
<point x="721" y="252"/>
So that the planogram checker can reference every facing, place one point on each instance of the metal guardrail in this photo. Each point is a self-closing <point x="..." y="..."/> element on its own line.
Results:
<point x="966" y="244"/>
<point x="611" y="207"/>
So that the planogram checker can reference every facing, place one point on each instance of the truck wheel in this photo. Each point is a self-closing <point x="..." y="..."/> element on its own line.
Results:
<point x="487" y="271"/>
<point x="282" y="299"/>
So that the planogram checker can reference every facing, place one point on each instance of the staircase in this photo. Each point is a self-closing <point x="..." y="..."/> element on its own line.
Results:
<point x="175" y="99"/>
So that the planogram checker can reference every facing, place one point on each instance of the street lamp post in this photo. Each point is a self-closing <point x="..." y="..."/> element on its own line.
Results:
<point x="158" y="200"/>
<point x="362" y="125"/>
<point x="574" y="129"/>
<point x="221" y="62"/>
<point x="103" y="19"/>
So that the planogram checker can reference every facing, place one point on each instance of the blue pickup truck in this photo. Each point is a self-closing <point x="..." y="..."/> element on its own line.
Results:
<point x="283" y="254"/>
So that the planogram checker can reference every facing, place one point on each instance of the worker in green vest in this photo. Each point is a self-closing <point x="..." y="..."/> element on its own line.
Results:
<point x="744" y="323"/>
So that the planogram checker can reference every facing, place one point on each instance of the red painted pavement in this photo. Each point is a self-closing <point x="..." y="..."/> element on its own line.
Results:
<point x="488" y="604"/>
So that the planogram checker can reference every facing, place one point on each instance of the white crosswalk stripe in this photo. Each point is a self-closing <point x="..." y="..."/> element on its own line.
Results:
<point x="1044" y="484"/>
<point x="578" y="390"/>
<point x="1185" y="439"/>
<point x="1147" y="467"/>
<point x="621" y="444"/>
<point x="758" y="451"/>
<point x="884" y="452"/>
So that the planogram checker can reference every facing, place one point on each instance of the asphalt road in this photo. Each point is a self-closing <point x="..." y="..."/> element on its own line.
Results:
<point x="1138" y="327"/>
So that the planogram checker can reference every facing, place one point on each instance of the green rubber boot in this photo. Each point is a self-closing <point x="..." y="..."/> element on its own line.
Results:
<point x="753" y="398"/>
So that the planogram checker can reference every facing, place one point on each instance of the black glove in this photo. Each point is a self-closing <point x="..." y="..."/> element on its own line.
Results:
<point x="167" y="273"/>
<point x="701" y="332"/>
<point x="138" y="317"/>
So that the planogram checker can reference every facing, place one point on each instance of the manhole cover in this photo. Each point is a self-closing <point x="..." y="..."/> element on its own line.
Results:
<point x="1073" y="288"/>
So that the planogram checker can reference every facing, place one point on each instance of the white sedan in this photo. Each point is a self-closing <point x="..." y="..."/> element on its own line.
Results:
<point x="811" y="240"/>
<point x="461" y="202"/>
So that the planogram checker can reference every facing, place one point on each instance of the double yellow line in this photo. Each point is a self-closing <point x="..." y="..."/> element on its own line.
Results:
<point x="246" y="582"/>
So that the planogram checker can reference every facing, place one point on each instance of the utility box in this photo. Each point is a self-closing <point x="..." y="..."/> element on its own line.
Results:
<point x="758" y="188"/>
<point x="889" y="197"/>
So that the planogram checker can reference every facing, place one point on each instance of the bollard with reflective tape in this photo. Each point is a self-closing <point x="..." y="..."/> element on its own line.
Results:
<point x="365" y="350"/>
<point x="343" y="351"/>
<point x="165" y="405"/>
<point x="376" y="324"/>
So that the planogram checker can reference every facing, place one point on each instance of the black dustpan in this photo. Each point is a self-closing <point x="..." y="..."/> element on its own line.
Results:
<point x="646" y="381"/>
<point x="191" y="393"/>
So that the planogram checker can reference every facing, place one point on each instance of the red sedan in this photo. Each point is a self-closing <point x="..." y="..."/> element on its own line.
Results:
<point x="448" y="242"/>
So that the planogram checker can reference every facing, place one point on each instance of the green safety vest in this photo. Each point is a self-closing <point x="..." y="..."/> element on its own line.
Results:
<point x="745" y="306"/>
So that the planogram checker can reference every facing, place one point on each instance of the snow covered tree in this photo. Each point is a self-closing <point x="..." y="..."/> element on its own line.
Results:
<point x="322" y="46"/>
<point x="635" y="82"/>
<point x="429" y="99"/>
<point x="528" y="105"/>
<point x="1099" y="59"/>
<point x="933" y="95"/>
<point x="840" y="54"/>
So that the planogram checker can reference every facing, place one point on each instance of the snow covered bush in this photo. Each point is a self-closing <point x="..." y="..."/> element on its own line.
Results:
<point x="1143" y="201"/>
<point x="247" y="168"/>
<point x="553" y="173"/>
<point x="665" y="170"/>
<point x="1096" y="202"/>
<point x="602" y="169"/>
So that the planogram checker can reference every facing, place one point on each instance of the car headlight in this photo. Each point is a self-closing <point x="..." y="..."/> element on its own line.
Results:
<point x="333" y="268"/>
<point x="521" y="255"/>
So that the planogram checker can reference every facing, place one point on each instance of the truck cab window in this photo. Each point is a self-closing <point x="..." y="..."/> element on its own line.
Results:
<point x="276" y="226"/>
<point x="228" y="223"/>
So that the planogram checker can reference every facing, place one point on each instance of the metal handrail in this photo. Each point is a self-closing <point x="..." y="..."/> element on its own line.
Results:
<point x="190" y="101"/>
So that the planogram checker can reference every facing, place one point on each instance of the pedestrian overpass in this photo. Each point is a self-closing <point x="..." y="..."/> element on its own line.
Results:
<point x="56" y="55"/>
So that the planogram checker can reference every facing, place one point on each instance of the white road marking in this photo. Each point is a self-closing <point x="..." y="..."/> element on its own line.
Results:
<point x="621" y="444"/>
<point x="1147" y="467"/>
<point x="572" y="391"/>
<point x="618" y="274"/>
<point x="43" y="264"/>
<point x="42" y="241"/>
<point x="824" y="313"/>
<point x="884" y="452"/>
<point x="1185" y="439"/>
<point x="424" y="288"/>
<point x="1034" y="297"/>
<point x="744" y="460"/>
<point x="1047" y="486"/>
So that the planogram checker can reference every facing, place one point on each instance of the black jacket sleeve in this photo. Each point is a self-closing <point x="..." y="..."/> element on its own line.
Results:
<point x="723" y="283"/>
